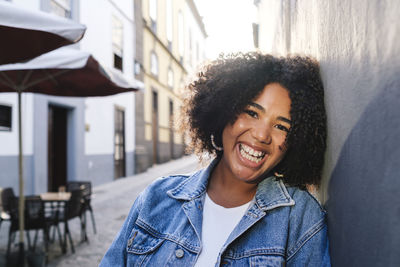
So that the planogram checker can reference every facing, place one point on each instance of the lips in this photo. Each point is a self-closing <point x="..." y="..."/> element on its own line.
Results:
<point x="251" y="154"/>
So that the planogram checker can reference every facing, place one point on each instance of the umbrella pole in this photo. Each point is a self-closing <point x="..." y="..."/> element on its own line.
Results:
<point x="21" y="203"/>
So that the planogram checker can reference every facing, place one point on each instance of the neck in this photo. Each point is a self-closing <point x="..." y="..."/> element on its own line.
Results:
<point x="226" y="190"/>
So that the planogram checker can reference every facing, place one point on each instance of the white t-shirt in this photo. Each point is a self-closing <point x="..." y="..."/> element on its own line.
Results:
<point x="218" y="223"/>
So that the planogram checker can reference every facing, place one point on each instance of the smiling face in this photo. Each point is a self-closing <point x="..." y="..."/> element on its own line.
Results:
<point x="255" y="142"/>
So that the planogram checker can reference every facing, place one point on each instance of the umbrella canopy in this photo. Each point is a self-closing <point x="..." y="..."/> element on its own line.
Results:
<point x="61" y="72"/>
<point x="26" y="34"/>
<point x="64" y="72"/>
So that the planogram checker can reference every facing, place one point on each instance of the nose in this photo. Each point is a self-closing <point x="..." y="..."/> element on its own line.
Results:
<point x="262" y="133"/>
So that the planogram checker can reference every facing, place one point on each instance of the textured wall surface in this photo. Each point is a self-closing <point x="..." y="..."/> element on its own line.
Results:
<point x="9" y="173"/>
<point x="101" y="168"/>
<point x="357" y="44"/>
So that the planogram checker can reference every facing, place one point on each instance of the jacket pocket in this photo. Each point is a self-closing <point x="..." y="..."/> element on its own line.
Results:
<point x="267" y="261"/>
<point x="262" y="257"/>
<point x="142" y="242"/>
<point x="140" y="248"/>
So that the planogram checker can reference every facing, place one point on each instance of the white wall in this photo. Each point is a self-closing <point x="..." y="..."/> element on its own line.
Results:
<point x="197" y="37"/>
<point x="31" y="4"/>
<point x="340" y="34"/>
<point x="9" y="140"/>
<point x="269" y="17"/>
<point x="99" y="115"/>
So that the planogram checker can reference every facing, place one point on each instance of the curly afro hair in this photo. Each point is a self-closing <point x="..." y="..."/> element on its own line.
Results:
<point x="224" y="88"/>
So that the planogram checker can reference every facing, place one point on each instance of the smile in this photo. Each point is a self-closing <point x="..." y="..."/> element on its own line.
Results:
<point x="251" y="154"/>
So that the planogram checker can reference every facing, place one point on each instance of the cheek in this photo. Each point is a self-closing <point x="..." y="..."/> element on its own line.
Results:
<point x="235" y="129"/>
<point x="240" y="125"/>
<point x="282" y="145"/>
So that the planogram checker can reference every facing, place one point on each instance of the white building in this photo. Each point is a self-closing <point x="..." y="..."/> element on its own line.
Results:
<point x="68" y="138"/>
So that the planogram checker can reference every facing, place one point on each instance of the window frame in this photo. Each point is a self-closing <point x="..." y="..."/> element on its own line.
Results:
<point x="170" y="78"/>
<point x="153" y="14"/>
<point x="169" y="22"/>
<point x="154" y="68"/>
<point x="60" y="5"/>
<point x="117" y="28"/>
<point x="6" y="128"/>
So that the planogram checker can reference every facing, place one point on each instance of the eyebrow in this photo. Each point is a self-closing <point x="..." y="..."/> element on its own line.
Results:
<point x="284" y="119"/>
<point x="257" y="106"/>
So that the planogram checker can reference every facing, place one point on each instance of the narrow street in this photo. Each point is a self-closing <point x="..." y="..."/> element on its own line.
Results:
<point x="111" y="204"/>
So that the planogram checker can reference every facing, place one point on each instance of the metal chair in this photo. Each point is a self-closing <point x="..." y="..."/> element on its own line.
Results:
<point x="86" y="186"/>
<point x="4" y="204"/>
<point x="34" y="220"/>
<point x="73" y="208"/>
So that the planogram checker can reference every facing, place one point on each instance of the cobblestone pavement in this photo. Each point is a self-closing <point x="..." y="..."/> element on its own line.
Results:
<point x="111" y="204"/>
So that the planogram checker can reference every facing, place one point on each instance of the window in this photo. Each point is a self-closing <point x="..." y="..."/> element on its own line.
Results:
<point x="170" y="78"/>
<point x="137" y="67"/>
<point x="169" y="23"/>
<point x="5" y="118"/>
<point x="181" y="41"/>
<point x="117" y="42"/>
<point x="153" y="14"/>
<point x="256" y="34"/>
<point x="61" y="8"/>
<point x="190" y="47"/>
<point x="197" y="52"/>
<point x="154" y="64"/>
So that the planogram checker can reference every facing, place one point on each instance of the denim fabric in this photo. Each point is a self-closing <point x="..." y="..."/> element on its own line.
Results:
<point x="285" y="226"/>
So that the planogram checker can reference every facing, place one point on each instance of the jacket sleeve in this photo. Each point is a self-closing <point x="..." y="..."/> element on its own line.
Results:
<point x="116" y="254"/>
<point x="313" y="250"/>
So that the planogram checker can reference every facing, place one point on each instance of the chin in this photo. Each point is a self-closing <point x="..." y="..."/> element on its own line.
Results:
<point x="250" y="179"/>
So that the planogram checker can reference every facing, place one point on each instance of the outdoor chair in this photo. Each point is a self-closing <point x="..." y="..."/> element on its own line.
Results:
<point x="87" y="196"/>
<point x="6" y="194"/>
<point x="34" y="220"/>
<point x="73" y="209"/>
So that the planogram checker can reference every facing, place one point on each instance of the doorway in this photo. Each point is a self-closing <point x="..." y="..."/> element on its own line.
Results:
<point x="155" y="127"/>
<point x="57" y="148"/>
<point x="171" y="128"/>
<point x="119" y="143"/>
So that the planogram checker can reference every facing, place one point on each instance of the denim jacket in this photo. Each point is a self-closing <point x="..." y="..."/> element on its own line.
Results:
<point x="285" y="226"/>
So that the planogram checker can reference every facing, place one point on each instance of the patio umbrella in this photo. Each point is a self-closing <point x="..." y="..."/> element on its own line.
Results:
<point x="61" y="72"/>
<point x="26" y="34"/>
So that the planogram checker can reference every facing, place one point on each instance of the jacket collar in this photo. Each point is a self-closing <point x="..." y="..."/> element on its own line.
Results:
<point x="271" y="193"/>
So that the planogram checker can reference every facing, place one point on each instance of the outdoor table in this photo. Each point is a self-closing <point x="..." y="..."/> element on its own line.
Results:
<point x="55" y="196"/>
<point x="54" y="205"/>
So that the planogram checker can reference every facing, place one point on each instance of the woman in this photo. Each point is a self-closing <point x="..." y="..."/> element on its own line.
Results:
<point x="264" y="119"/>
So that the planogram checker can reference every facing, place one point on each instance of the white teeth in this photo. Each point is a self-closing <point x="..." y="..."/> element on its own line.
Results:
<point x="251" y="154"/>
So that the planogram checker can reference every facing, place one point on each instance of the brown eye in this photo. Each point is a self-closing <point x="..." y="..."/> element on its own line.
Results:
<point x="251" y="113"/>
<point x="281" y="127"/>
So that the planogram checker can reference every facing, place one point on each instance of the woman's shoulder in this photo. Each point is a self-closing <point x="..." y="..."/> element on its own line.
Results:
<point x="307" y="224"/>
<point x="163" y="184"/>
<point x="307" y="216"/>
<point x="306" y="201"/>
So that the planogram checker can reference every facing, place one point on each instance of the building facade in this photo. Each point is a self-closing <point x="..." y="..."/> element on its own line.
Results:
<point x="68" y="138"/>
<point x="356" y="43"/>
<point x="172" y="46"/>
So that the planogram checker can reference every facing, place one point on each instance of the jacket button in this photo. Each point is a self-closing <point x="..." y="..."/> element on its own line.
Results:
<point x="179" y="253"/>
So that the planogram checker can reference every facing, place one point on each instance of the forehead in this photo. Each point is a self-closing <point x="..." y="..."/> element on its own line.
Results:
<point x="274" y="97"/>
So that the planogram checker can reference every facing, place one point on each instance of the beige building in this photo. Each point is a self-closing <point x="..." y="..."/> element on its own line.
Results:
<point x="173" y="42"/>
